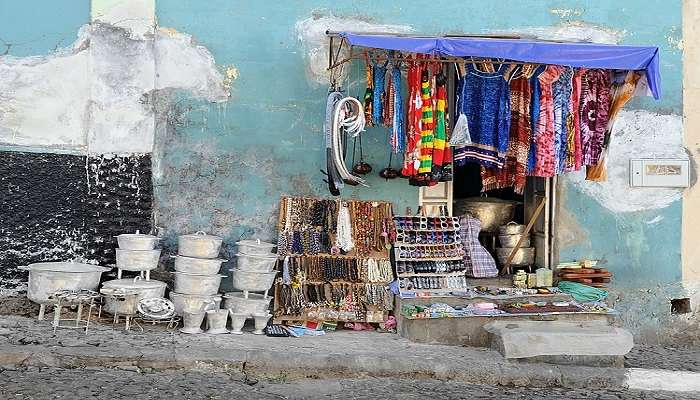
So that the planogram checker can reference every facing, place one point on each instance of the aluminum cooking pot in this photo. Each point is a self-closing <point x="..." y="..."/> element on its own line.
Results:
<point x="199" y="245"/>
<point x="255" y="247"/>
<point x="490" y="211"/>
<point x="137" y="260"/>
<point x="197" y="284"/>
<point x="120" y="301"/>
<point x="145" y="288"/>
<point x="47" y="278"/>
<point x="137" y="241"/>
<point x="194" y="302"/>
<point x="524" y="255"/>
<point x="202" y="266"/>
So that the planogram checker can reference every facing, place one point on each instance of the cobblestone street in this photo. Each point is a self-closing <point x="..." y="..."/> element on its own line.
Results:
<point x="115" y="384"/>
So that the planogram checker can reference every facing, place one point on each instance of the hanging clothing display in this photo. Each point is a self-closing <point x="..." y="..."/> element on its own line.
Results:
<point x="624" y="87"/>
<point x="413" y="139"/>
<point x="574" y="154"/>
<point x="378" y="78"/>
<point x="545" y="157"/>
<point x="426" y="149"/>
<point x="593" y="109"/>
<point x="398" y="131"/>
<point x="561" y="93"/>
<point x="484" y="97"/>
<point x="514" y="172"/>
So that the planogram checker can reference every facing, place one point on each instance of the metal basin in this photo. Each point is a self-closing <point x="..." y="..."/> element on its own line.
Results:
<point x="137" y="260"/>
<point x="524" y="255"/>
<point x="197" y="284"/>
<point x="490" y="211"/>
<point x="194" y="303"/>
<point x="252" y="281"/>
<point x="47" y="278"/>
<point x="202" y="266"/>
<point x="255" y="303"/>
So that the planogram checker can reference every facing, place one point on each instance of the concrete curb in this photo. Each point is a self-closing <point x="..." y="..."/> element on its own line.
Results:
<point x="294" y="364"/>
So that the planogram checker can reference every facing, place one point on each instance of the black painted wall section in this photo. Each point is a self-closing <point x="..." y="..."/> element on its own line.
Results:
<point x="60" y="207"/>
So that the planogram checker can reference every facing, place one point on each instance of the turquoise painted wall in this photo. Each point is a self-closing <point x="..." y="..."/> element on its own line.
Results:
<point x="41" y="26"/>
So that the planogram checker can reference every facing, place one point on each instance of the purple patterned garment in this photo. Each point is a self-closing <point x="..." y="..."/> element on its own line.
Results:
<point x="478" y="261"/>
<point x="593" y="110"/>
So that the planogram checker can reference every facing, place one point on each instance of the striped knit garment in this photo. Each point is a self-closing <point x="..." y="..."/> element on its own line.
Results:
<point x="439" y="141"/>
<point x="426" y="132"/>
<point x="514" y="172"/>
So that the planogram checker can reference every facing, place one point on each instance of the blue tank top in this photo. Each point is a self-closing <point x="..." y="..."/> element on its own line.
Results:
<point x="485" y="100"/>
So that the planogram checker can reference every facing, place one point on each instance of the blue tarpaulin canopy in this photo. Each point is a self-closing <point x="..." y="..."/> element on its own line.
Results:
<point x="591" y="55"/>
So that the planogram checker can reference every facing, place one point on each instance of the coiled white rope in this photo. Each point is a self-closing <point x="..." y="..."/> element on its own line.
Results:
<point x="348" y="117"/>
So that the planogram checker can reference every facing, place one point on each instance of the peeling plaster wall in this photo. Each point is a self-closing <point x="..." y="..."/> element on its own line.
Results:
<point x="230" y="98"/>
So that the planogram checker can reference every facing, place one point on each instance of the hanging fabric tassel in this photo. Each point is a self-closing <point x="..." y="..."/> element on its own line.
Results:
<point x="378" y="77"/>
<point x="398" y="131"/>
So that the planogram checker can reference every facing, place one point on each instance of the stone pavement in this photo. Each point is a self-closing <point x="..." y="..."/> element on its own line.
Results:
<point x="342" y="354"/>
<point x="51" y="383"/>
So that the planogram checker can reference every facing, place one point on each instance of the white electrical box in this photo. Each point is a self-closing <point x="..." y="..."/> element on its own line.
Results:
<point x="657" y="172"/>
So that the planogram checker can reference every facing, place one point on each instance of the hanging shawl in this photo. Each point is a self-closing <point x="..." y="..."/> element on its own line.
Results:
<point x="594" y="107"/>
<point x="440" y="139"/>
<point x="388" y="98"/>
<point x="574" y="154"/>
<point x="378" y="75"/>
<point x="427" y="124"/>
<point x="398" y="130"/>
<point x="412" y="155"/>
<point x="622" y="92"/>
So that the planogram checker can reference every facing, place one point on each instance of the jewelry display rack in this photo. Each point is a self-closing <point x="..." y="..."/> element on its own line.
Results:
<point x="324" y="277"/>
<point x="428" y="256"/>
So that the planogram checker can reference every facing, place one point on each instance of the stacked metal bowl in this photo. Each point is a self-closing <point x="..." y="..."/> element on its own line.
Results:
<point x="137" y="252"/>
<point x="197" y="277"/>
<point x="508" y="236"/>
<point x="254" y="272"/>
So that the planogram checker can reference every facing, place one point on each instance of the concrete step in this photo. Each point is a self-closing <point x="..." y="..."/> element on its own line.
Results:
<point x="567" y="342"/>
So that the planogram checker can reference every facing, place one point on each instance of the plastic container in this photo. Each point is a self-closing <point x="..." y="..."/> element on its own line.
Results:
<point x="253" y="263"/>
<point x="255" y="247"/>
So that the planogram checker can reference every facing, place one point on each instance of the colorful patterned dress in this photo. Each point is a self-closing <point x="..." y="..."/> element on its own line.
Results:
<point x="593" y="112"/>
<point x="545" y="157"/>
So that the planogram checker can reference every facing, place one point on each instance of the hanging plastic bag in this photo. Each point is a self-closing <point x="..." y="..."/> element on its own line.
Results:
<point x="460" y="133"/>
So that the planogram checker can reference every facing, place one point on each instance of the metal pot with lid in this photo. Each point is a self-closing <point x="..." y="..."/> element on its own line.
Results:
<point x="255" y="247"/>
<point x="137" y="241"/>
<point x="492" y="212"/>
<point x="199" y="245"/>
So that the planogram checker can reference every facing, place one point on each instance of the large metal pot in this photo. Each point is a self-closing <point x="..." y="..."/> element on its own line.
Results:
<point x="197" y="284"/>
<point x="252" y="281"/>
<point x="512" y="240"/>
<point x="524" y="255"/>
<point x="47" y="278"/>
<point x="511" y="228"/>
<point x="120" y="301"/>
<point x="255" y="303"/>
<point x="145" y="288"/>
<point x="490" y="211"/>
<point x="202" y="266"/>
<point x="199" y="245"/>
<point x="137" y="241"/>
<point x="248" y="262"/>
<point x="255" y="247"/>
<point x="194" y="303"/>
<point x="137" y="260"/>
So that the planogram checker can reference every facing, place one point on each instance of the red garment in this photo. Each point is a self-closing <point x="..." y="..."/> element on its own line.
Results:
<point x="413" y="133"/>
<point x="545" y="159"/>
